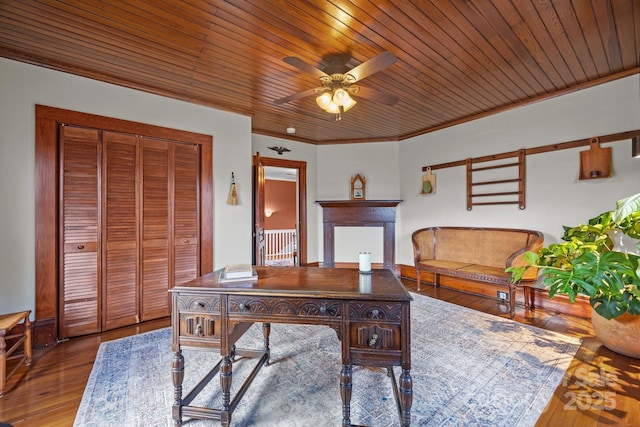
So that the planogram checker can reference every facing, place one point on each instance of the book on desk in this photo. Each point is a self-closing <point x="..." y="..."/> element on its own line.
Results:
<point x="238" y="274"/>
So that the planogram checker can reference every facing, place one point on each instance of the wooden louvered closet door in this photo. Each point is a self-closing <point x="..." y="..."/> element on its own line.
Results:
<point x="120" y="205"/>
<point x="80" y="285"/>
<point x="170" y="226"/>
<point x="185" y="214"/>
<point x="132" y="204"/>
<point x="155" y="229"/>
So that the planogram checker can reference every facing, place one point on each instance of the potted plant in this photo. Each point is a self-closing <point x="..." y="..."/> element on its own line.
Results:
<point x="594" y="260"/>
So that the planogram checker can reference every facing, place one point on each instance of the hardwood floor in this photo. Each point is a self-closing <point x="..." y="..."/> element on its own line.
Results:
<point x="600" y="388"/>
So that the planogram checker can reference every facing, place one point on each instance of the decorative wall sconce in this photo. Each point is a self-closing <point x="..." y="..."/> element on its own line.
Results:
<point x="635" y="147"/>
<point x="279" y="150"/>
<point x="233" y="192"/>
<point x="268" y="213"/>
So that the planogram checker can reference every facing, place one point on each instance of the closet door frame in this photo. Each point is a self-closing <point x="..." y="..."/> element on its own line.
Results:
<point x="48" y="119"/>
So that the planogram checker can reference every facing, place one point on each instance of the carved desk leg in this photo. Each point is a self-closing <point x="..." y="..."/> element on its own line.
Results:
<point x="406" y="397"/>
<point x="177" y="371"/>
<point x="226" y="372"/>
<point x="345" y="393"/>
<point x="266" y="331"/>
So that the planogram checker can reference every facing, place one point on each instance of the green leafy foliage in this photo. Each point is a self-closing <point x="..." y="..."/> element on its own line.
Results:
<point x="587" y="264"/>
<point x="627" y="215"/>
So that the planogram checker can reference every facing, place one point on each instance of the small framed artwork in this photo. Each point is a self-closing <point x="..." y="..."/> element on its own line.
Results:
<point x="358" y="184"/>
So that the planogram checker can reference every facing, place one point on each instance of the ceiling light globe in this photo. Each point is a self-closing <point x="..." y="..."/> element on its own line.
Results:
<point x="333" y="108"/>
<point x="324" y="100"/>
<point x="348" y="103"/>
<point x="340" y="96"/>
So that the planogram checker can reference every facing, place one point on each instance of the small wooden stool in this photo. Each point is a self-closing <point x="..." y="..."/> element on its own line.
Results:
<point x="8" y="322"/>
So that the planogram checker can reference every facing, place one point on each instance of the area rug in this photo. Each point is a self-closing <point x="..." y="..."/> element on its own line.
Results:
<point x="468" y="368"/>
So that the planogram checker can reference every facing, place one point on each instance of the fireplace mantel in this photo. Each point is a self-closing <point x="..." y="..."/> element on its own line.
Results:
<point x="359" y="213"/>
<point x="358" y="203"/>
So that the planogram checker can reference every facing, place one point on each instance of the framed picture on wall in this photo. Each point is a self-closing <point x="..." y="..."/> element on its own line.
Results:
<point x="358" y="183"/>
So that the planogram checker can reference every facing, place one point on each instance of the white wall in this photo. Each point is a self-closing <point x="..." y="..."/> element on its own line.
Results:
<point x="554" y="195"/>
<point x="22" y="86"/>
<point x="379" y="163"/>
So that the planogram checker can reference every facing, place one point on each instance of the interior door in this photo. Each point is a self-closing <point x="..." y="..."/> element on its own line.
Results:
<point x="186" y="217"/>
<point x="120" y="231"/>
<point x="259" y="204"/>
<point x="155" y="256"/>
<point x="258" y="211"/>
<point x="80" y="266"/>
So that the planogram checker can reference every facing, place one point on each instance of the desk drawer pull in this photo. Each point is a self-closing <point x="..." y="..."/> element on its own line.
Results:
<point x="375" y="336"/>
<point x="373" y="340"/>
<point x="200" y="326"/>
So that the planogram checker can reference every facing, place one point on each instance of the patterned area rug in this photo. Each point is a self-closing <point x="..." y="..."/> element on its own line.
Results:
<point x="469" y="369"/>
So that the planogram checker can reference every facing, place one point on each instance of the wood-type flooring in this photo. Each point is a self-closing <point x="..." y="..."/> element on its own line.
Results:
<point x="600" y="389"/>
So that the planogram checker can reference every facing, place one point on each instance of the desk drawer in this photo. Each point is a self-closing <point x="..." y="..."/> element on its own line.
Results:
<point x="198" y="303"/>
<point x="201" y="326"/>
<point x="376" y="336"/>
<point x="301" y="308"/>
<point x="368" y="310"/>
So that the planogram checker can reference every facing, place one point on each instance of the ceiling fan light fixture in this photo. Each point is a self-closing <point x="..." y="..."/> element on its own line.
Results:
<point x="336" y="85"/>
<point x="335" y="102"/>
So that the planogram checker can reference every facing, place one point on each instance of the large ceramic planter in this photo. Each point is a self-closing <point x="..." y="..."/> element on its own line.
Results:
<point x="620" y="334"/>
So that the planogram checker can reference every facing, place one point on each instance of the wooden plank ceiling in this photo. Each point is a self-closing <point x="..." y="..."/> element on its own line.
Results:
<point x="457" y="59"/>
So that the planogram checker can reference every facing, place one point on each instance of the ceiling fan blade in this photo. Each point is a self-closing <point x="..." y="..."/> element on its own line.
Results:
<point x="377" y="96"/>
<point x="295" y="96"/>
<point x="307" y="68"/>
<point x="375" y="64"/>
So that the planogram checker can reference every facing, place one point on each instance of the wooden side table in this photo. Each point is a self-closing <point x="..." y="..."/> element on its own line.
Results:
<point x="7" y="323"/>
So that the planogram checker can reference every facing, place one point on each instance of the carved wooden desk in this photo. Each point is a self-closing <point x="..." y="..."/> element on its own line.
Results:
<point x="370" y="313"/>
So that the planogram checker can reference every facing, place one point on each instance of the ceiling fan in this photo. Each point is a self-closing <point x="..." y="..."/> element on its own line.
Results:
<point x="337" y="82"/>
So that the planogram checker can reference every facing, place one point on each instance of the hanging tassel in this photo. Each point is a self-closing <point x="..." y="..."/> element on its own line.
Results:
<point x="233" y="193"/>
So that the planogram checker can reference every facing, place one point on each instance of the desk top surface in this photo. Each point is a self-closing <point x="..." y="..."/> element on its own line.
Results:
<point x="316" y="282"/>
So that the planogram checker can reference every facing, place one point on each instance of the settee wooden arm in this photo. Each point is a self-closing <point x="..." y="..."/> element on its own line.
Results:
<point x="517" y="258"/>
<point x="423" y="243"/>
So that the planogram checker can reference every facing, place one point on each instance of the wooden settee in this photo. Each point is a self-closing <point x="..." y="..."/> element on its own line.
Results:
<point x="478" y="254"/>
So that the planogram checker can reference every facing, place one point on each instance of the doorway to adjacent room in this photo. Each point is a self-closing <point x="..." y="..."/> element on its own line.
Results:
<point x="279" y="212"/>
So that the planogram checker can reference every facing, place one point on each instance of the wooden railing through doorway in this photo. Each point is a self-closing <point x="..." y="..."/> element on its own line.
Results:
<point x="280" y="244"/>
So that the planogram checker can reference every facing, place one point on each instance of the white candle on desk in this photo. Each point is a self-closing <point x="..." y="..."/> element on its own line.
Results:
<point x="365" y="261"/>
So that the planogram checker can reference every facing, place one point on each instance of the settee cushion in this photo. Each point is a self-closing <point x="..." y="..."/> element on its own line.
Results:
<point x="446" y="264"/>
